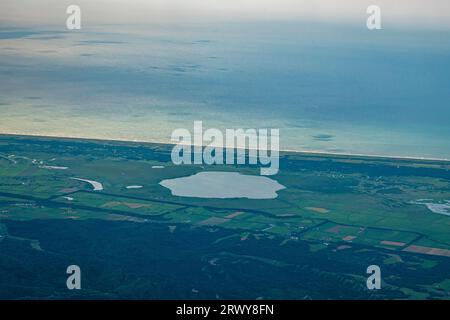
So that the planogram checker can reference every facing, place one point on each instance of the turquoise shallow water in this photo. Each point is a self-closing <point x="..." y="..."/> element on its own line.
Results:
<point x="327" y="88"/>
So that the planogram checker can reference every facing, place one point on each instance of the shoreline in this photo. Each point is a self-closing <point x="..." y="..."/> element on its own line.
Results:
<point x="170" y="143"/>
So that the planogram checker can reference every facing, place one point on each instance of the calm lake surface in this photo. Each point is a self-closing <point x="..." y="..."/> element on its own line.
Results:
<point x="223" y="185"/>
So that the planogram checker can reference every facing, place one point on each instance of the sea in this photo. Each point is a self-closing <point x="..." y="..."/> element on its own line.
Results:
<point x="333" y="88"/>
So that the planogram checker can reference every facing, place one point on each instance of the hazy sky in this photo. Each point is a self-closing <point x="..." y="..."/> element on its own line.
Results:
<point x="414" y="13"/>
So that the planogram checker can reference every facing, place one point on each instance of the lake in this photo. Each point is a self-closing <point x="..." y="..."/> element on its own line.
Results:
<point x="223" y="185"/>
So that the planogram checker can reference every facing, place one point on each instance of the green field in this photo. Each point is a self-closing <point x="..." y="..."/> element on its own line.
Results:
<point x="357" y="205"/>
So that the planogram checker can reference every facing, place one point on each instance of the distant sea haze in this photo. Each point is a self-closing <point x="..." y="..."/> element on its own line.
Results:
<point x="328" y="88"/>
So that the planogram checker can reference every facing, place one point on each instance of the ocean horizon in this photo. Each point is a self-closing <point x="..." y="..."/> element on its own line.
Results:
<point x="330" y="88"/>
